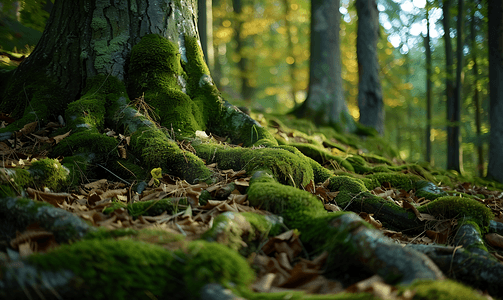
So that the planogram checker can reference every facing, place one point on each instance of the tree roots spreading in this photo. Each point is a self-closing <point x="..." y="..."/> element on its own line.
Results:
<point x="178" y="102"/>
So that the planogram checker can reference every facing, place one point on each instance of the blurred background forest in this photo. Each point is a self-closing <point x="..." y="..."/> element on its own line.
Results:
<point x="260" y="59"/>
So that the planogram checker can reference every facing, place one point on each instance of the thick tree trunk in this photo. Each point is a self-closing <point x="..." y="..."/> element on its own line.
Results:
<point x="369" y="85"/>
<point x="495" y="168"/>
<point x="86" y="38"/>
<point x="325" y="101"/>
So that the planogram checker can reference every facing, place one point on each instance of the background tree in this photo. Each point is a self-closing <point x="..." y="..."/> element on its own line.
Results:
<point x="495" y="37"/>
<point x="476" y="97"/>
<point x="325" y="101"/>
<point x="453" y="108"/>
<point x="428" y="84"/>
<point x="244" y="44"/>
<point x="370" y="100"/>
<point x="205" y="27"/>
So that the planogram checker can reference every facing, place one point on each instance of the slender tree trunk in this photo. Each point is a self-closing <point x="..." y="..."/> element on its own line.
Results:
<point x="458" y="163"/>
<point x="452" y="127"/>
<point x="495" y="37"/>
<point x="292" y="64"/>
<point x="205" y="26"/>
<point x="369" y="85"/>
<point x="428" y="85"/>
<point x="476" y="98"/>
<point x="244" y="64"/>
<point x="325" y="102"/>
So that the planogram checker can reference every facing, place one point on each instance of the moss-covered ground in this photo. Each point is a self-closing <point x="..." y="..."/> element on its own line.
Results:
<point x="157" y="187"/>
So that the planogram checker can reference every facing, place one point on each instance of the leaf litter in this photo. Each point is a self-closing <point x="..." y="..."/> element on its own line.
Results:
<point x="282" y="261"/>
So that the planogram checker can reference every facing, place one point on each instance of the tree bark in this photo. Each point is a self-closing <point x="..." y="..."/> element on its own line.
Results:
<point x="495" y="37"/>
<point x="242" y="43"/>
<point x="476" y="98"/>
<point x="292" y="66"/>
<point x="369" y="86"/>
<point x="325" y="102"/>
<point x="205" y="26"/>
<point x="453" y="109"/>
<point x="428" y="85"/>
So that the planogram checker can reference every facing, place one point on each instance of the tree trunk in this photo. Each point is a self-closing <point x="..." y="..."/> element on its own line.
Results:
<point x="88" y="38"/>
<point x="495" y="37"/>
<point x="242" y="44"/>
<point x="325" y="102"/>
<point x="205" y="26"/>
<point x="452" y="107"/>
<point x="292" y="64"/>
<point x="457" y="150"/>
<point x="428" y="84"/>
<point x="476" y="98"/>
<point x="369" y="85"/>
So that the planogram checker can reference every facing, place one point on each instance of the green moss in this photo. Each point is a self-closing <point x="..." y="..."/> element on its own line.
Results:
<point x="127" y="268"/>
<point x="79" y="167"/>
<point x="232" y="229"/>
<point x="149" y="208"/>
<point x="298" y="208"/>
<point x="105" y="49"/>
<point x="88" y="111"/>
<point x="45" y="97"/>
<point x="98" y="23"/>
<point x="127" y="169"/>
<point x="442" y="290"/>
<point x="287" y="165"/>
<point x="159" y="151"/>
<point x="207" y="262"/>
<point x="321" y="156"/>
<point x="86" y="142"/>
<point x="121" y="269"/>
<point x="49" y="172"/>
<point x="156" y="73"/>
<point x="229" y="229"/>
<point x="297" y="295"/>
<point x="150" y="235"/>
<point x="347" y="184"/>
<point x="457" y="207"/>
<point x="396" y="180"/>
<point x="359" y="164"/>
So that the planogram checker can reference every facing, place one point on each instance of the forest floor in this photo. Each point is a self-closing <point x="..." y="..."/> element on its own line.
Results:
<point x="282" y="262"/>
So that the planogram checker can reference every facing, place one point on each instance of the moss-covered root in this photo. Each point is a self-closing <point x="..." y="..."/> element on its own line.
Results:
<point x="442" y="290"/>
<point x="43" y="173"/>
<point x="348" y="239"/>
<point x="287" y="164"/>
<point x="354" y="196"/>
<point x="152" y="143"/>
<point x="478" y="271"/>
<point x="243" y="231"/>
<point x="242" y="128"/>
<point x="124" y="269"/>
<point x="17" y="213"/>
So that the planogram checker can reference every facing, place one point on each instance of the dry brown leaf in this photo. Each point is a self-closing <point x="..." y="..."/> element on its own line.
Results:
<point x="494" y="240"/>
<point x="332" y="207"/>
<point x="27" y="129"/>
<point x="53" y="198"/>
<point x="370" y="219"/>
